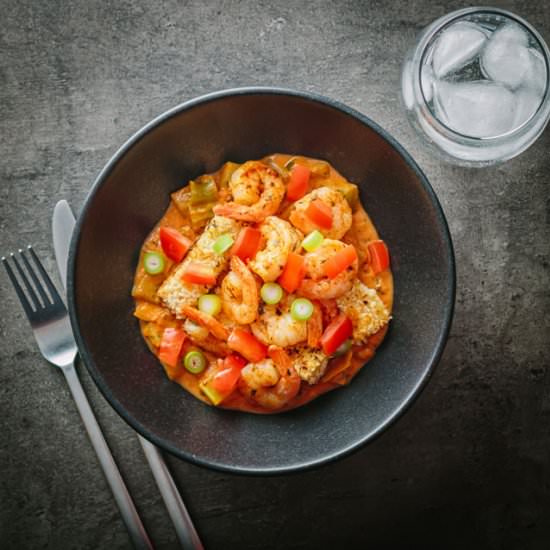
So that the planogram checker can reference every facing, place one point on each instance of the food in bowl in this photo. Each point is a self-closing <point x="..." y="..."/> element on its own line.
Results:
<point x="264" y="284"/>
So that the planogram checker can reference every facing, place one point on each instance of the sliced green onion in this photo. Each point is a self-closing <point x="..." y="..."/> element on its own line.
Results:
<point x="344" y="348"/>
<point x="210" y="304"/>
<point x="194" y="362"/>
<point x="313" y="241"/>
<point x="301" y="309"/>
<point x="222" y="244"/>
<point x="153" y="262"/>
<point x="271" y="293"/>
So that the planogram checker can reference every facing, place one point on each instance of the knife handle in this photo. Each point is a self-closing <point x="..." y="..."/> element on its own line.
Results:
<point x="185" y="530"/>
<point x="135" y="527"/>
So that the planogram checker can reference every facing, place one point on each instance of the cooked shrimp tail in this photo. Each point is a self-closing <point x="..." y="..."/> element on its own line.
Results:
<point x="207" y="321"/>
<point x="315" y="326"/>
<point x="280" y="358"/>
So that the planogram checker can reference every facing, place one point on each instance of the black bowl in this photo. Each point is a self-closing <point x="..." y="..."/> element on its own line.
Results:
<point x="132" y="192"/>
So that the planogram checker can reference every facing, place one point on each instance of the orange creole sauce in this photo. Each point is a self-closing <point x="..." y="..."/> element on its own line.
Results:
<point x="154" y="317"/>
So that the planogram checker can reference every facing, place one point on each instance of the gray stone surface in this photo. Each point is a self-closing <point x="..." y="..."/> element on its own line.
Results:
<point x="467" y="467"/>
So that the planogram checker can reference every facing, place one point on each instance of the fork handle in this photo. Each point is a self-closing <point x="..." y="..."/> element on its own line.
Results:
<point x="185" y="530"/>
<point x="135" y="527"/>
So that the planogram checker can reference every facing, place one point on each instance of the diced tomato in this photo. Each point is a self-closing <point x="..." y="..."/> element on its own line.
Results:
<point x="340" y="261"/>
<point x="379" y="256"/>
<point x="336" y="334"/>
<point x="247" y="243"/>
<point x="173" y="243"/>
<point x="298" y="182"/>
<point x="293" y="272"/>
<point x="199" y="274"/>
<point x="225" y="380"/>
<point x="247" y="345"/>
<point x="320" y="214"/>
<point x="170" y="346"/>
<point x="234" y="360"/>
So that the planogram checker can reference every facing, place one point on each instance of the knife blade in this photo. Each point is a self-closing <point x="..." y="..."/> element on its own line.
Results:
<point x="63" y="224"/>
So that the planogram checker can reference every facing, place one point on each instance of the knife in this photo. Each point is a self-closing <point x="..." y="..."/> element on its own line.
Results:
<point x="63" y="223"/>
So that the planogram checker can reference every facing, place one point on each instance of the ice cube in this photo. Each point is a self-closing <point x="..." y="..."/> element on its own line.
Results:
<point x="536" y="76"/>
<point x="456" y="46"/>
<point x="476" y="109"/>
<point x="506" y="57"/>
<point x="527" y="103"/>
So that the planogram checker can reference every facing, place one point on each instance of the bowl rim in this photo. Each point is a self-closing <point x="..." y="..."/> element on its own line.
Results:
<point x="306" y="464"/>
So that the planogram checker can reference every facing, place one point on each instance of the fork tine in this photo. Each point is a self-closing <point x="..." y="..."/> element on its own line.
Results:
<point x="38" y="285"/>
<point x="26" y="282"/>
<point x="22" y="298"/>
<point x="45" y="277"/>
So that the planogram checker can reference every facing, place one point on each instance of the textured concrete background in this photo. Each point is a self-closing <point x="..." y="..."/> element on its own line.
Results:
<point x="467" y="467"/>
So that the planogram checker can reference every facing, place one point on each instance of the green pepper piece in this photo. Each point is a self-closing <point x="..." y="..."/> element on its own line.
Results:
<point x="200" y="215"/>
<point x="203" y="191"/>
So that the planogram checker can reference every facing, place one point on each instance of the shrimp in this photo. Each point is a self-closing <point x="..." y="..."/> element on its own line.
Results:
<point x="272" y="382"/>
<point x="280" y="238"/>
<point x="275" y="325"/>
<point x="257" y="193"/>
<point x="201" y="336"/>
<point x="239" y="293"/>
<point x="341" y="213"/>
<point x="316" y="285"/>
<point x="315" y="326"/>
<point x="207" y="321"/>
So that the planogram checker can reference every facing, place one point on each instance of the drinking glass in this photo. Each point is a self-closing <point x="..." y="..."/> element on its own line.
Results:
<point x="476" y="86"/>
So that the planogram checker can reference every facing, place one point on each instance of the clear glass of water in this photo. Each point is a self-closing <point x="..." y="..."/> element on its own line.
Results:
<point x="476" y="86"/>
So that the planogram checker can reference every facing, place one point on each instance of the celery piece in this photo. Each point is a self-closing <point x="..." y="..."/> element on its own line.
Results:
<point x="211" y="393"/>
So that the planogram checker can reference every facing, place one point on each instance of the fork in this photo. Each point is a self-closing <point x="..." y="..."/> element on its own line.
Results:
<point x="49" y="320"/>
